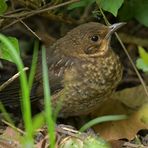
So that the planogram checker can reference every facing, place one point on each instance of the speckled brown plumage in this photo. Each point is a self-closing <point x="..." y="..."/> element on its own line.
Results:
<point x="83" y="69"/>
<point x="89" y="71"/>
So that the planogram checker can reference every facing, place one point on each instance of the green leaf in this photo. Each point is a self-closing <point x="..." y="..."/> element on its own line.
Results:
<point x="141" y="11"/>
<point x="3" y="6"/>
<point x="77" y="5"/>
<point x="82" y="3"/>
<point x="143" y="54"/>
<point x="137" y="9"/>
<point x="126" y="12"/>
<point x="4" y="54"/>
<point x="142" y="62"/>
<point x="38" y="121"/>
<point x="141" y="65"/>
<point x="111" y="6"/>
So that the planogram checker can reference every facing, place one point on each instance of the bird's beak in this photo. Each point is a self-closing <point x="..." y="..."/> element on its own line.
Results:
<point x="113" y="28"/>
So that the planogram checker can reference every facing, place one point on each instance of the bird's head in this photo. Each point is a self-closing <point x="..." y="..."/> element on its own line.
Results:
<point x="89" y="40"/>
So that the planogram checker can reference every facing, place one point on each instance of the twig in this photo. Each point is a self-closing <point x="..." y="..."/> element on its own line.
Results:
<point x="4" y="85"/>
<point x="137" y="72"/>
<point x="126" y="52"/>
<point x="14" y="11"/>
<point x="51" y="8"/>
<point x="12" y="126"/>
<point x="68" y="131"/>
<point x="29" y="29"/>
<point x="60" y="18"/>
<point x="34" y="12"/>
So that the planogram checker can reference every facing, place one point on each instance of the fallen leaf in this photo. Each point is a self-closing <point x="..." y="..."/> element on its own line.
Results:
<point x="133" y="97"/>
<point x="143" y="113"/>
<point x="10" y="138"/>
<point x="127" y="128"/>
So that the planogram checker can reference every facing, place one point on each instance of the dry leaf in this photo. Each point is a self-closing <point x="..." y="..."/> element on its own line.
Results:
<point x="10" y="138"/>
<point x="143" y="113"/>
<point x="133" y="97"/>
<point x="118" y="129"/>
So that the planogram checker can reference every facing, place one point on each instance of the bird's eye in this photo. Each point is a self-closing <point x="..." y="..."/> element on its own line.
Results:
<point x="94" y="38"/>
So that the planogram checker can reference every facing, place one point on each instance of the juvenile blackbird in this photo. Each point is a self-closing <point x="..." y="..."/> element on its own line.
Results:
<point x="83" y="71"/>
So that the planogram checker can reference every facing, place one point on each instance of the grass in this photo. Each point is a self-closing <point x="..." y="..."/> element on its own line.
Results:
<point x="26" y="109"/>
<point x="29" y="123"/>
<point x="47" y="100"/>
<point x="5" y="114"/>
<point x="34" y="64"/>
<point x="102" y="119"/>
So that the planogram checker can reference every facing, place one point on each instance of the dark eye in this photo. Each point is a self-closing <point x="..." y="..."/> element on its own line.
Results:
<point x="94" y="38"/>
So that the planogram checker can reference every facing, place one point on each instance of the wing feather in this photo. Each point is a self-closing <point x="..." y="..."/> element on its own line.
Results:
<point x="56" y="66"/>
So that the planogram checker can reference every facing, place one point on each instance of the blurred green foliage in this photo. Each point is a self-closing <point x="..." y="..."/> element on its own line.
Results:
<point x="142" y="62"/>
<point x="111" y="6"/>
<point x="137" y="9"/>
<point x="4" y="52"/>
<point x="123" y="9"/>
<point x="3" y="6"/>
<point x="82" y="3"/>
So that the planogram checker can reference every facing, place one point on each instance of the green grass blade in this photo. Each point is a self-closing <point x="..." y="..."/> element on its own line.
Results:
<point x="26" y="109"/>
<point x="47" y="101"/>
<point x="102" y="119"/>
<point x="5" y="114"/>
<point x="34" y="64"/>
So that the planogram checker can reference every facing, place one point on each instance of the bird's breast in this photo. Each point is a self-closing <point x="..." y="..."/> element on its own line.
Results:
<point x="89" y="82"/>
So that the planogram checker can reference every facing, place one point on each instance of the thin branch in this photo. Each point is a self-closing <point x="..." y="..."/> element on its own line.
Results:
<point x="34" y="12"/>
<point x="29" y="29"/>
<point x="13" y="127"/>
<point x="9" y="81"/>
<point x="137" y="72"/>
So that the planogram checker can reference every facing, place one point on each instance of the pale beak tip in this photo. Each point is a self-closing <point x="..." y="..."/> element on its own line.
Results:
<point x="116" y="26"/>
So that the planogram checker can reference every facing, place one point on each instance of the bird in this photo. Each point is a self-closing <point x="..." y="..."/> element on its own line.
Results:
<point x="83" y="71"/>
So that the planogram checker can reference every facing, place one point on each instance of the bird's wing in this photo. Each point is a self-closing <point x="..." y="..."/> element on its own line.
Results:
<point x="10" y="95"/>
<point x="57" y="63"/>
<point x="10" y="92"/>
